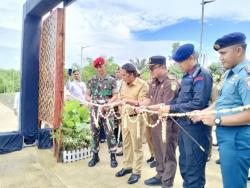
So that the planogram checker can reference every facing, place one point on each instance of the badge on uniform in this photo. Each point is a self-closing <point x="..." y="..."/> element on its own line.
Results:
<point x="173" y="86"/>
<point x="234" y="78"/>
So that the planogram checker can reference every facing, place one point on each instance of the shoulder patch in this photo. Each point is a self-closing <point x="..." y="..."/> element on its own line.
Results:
<point x="171" y="77"/>
<point x="173" y="86"/>
<point x="198" y="78"/>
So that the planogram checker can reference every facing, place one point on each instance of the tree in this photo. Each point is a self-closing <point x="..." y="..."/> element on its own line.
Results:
<point x="175" y="45"/>
<point x="216" y="69"/>
<point x="140" y="65"/>
<point x="145" y="75"/>
<point x="9" y="80"/>
<point x="176" y="71"/>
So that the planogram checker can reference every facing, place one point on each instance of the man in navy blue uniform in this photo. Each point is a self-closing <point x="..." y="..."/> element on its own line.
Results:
<point x="233" y="128"/>
<point x="195" y="93"/>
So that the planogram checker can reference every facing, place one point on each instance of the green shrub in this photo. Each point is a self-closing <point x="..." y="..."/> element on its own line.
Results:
<point x="75" y="128"/>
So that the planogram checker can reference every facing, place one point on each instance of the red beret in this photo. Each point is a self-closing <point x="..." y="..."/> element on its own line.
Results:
<point x="98" y="61"/>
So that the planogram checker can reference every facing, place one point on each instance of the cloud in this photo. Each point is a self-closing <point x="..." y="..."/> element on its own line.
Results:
<point x="11" y="14"/>
<point x="108" y="26"/>
<point x="10" y="33"/>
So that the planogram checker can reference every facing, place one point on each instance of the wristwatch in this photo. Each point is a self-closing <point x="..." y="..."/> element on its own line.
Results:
<point x="217" y="121"/>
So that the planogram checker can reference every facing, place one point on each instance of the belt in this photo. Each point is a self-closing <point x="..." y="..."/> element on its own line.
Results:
<point x="132" y="115"/>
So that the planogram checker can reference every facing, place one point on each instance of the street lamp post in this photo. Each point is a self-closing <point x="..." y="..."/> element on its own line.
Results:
<point x="202" y="23"/>
<point x="82" y="47"/>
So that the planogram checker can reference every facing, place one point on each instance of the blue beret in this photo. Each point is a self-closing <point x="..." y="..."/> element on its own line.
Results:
<point x="183" y="52"/>
<point x="229" y="40"/>
<point x="157" y="60"/>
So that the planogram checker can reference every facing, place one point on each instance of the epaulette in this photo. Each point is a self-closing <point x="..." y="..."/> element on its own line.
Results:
<point x="247" y="69"/>
<point x="171" y="77"/>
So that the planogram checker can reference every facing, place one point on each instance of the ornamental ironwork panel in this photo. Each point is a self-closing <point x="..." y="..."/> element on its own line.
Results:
<point x="51" y="66"/>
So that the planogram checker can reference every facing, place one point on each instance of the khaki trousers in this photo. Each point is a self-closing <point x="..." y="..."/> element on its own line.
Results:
<point x="132" y="146"/>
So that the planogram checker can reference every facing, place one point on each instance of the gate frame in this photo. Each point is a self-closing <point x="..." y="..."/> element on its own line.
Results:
<point x="33" y="11"/>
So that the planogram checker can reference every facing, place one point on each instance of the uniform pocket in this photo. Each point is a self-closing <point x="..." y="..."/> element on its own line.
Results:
<point x="230" y="87"/>
<point x="185" y="93"/>
<point x="186" y="88"/>
<point x="242" y="139"/>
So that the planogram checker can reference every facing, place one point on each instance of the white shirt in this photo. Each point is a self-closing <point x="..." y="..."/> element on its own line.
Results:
<point x="77" y="90"/>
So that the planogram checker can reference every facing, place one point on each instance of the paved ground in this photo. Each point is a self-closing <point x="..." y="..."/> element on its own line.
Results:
<point x="8" y="120"/>
<point x="37" y="168"/>
<point x="33" y="168"/>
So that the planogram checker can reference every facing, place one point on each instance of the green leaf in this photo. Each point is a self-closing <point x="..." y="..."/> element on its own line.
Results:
<point x="75" y="131"/>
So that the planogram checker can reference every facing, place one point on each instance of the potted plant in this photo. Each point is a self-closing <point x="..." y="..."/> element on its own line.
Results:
<point x="76" y="134"/>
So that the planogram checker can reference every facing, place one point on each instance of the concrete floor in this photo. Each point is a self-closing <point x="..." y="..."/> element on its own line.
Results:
<point x="8" y="120"/>
<point x="35" y="168"/>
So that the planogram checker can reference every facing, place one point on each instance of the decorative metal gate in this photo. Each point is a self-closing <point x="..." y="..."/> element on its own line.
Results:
<point x="51" y="69"/>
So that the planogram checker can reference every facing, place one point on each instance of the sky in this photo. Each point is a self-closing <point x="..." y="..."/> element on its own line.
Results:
<point x="130" y="29"/>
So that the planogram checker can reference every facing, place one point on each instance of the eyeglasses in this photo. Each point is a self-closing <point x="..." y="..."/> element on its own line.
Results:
<point x="153" y="67"/>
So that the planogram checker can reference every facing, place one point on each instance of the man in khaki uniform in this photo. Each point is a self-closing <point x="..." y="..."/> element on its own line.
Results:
<point x="133" y="91"/>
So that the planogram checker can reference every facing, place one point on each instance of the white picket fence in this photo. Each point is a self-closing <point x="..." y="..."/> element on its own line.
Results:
<point x="75" y="155"/>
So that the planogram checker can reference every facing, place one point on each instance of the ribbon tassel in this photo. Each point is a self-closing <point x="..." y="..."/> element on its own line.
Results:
<point x="138" y="127"/>
<point x="164" y="130"/>
<point x="108" y="124"/>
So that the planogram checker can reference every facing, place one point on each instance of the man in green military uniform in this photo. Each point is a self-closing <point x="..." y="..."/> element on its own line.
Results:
<point x="102" y="89"/>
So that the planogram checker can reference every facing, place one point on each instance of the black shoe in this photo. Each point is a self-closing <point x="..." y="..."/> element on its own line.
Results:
<point x="217" y="161"/>
<point x="248" y="178"/>
<point x="103" y="140"/>
<point x="113" y="162"/>
<point x="153" y="164"/>
<point x="134" y="178"/>
<point x="123" y="172"/>
<point x="150" y="160"/>
<point x="153" y="181"/>
<point x="119" y="154"/>
<point x="95" y="159"/>
<point x="120" y="144"/>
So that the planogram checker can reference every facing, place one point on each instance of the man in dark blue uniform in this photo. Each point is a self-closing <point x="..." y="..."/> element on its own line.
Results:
<point x="233" y="128"/>
<point x="195" y="93"/>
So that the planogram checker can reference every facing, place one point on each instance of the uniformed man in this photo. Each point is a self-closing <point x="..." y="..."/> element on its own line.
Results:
<point x="102" y="89"/>
<point x="162" y="90"/>
<point x="195" y="93"/>
<point x="233" y="128"/>
<point x="133" y="90"/>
